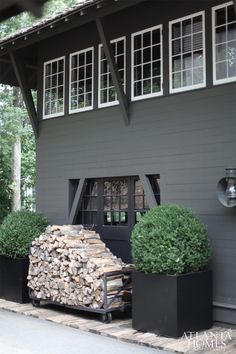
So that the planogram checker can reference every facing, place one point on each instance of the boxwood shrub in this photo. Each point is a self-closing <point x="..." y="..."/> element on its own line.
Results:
<point x="170" y="239"/>
<point x="18" y="230"/>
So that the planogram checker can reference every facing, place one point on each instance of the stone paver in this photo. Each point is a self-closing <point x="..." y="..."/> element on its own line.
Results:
<point x="216" y="340"/>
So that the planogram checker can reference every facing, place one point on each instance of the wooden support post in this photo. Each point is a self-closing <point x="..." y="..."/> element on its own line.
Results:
<point x="77" y="200"/>
<point x="25" y="90"/>
<point x="148" y="191"/>
<point x="114" y="71"/>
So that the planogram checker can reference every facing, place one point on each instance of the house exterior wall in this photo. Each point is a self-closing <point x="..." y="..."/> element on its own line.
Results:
<point x="187" y="138"/>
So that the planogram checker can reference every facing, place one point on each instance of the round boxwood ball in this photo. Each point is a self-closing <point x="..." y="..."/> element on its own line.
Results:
<point x="18" y="230"/>
<point x="170" y="239"/>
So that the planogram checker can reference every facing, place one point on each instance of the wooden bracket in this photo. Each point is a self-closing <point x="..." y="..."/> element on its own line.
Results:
<point x="25" y="90"/>
<point x="148" y="191"/>
<point x="77" y="200"/>
<point x="114" y="71"/>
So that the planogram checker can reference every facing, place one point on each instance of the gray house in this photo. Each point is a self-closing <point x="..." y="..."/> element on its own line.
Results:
<point x="136" y="107"/>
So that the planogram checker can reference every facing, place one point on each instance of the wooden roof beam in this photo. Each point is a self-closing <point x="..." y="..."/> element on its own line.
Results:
<point x="77" y="200"/>
<point x="25" y="90"/>
<point x="114" y="71"/>
<point x="148" y="191"/>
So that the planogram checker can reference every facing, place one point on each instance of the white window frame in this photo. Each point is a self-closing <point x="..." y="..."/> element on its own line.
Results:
<point x="192" y="87"/>
<point x="155" y="94"/>
<point x="88" y="108"/>
<point x="229" y="79"/>
<point x="47" y="116"/>
<point x="116" y="102"/>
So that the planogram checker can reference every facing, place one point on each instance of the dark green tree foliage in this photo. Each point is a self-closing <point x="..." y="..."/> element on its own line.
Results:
<point x="170" y="239"/>
<point x="18" y="230"/>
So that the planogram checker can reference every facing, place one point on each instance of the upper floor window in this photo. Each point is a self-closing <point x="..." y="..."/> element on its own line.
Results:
<point x="81" y="81"/>
<point x="107" y="95"/>
<point x="147" y="63"/>
<point x="187" y="53"/>
<point x="224" y="43"/>
<point x="53" y="95"/>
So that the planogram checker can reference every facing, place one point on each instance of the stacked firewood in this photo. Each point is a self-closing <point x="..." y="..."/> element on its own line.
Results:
<point x="67" y="264"/>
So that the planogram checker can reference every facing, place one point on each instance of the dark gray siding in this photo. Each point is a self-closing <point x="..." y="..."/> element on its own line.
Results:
<point x="189" y="139"/>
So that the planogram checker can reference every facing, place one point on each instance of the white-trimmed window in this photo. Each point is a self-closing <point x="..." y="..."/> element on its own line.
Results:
<point x="187" y="53"/>
<point x="224" y="43"/>
<point x="53" y="93"/>
<point x="107" y="95"/>
<point x="147" y="63"/>
<point x="81" y="80"/>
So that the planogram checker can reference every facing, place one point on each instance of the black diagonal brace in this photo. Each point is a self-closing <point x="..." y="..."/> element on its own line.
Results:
<point x="25" y="90"/>
<point x="114" y="71"/>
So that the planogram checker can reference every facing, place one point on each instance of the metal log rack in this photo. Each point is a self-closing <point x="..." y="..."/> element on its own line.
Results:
<point x="106" y="309"/>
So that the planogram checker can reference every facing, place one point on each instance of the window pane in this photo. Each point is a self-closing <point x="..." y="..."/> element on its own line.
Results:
<point x="232" y="31"/>
<point x="146" y="39"/>
<point x="138" y="57"/>
<point x="137" y="42"/>
<point x="197" y="41"/>
<point x="138" y="202"/>
<point x="146" y="71"/>
<point x="197" y="24"/>
<point x="197" y="59"/>
<point x="156" y="68"/>
<point x="107" y="203"/>
<point x="124" y="203"/>
<point x="186" y="27"/>
<point x="220" y="17"/>
<point x="176" y="30"/>
<point x="81" y="59"/>
<point x="156" y="52"/>
<point x="156" y="35"/>
<point x="146" y="55"/>
<point x="231" y="13"/>
<point x="221" y="70"/>
<point x="177" y="83"/>
<point x="187" y="78"/>
<point x="176" y="62"/>
<point x="147" y="87"/>
<point x="115" y="203"/>
<point x="138" y="88"/>
<point x="156" y="84"/>
<point x="187" y="44"/>
<point x="176" y="47"/>
<point x="137" y="73"/>
<point x="48" y="69"/>
<point x="197" y="76"/>
<point x="187" y="61"/>
<point x="221" y="52"/>
<point x="221" y="34"/>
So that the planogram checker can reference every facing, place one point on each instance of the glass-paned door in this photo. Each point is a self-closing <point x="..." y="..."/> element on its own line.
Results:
<point x="112" y="206"/>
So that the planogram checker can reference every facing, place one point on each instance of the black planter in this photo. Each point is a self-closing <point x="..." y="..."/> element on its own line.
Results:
<point x="172" y="305"/>
<point x="13" y="279"/>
